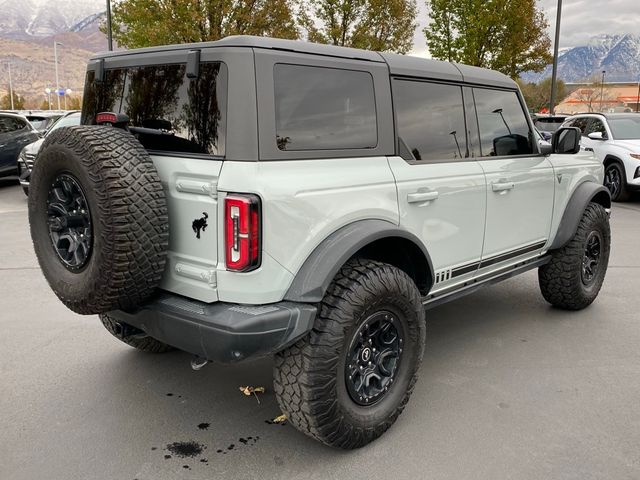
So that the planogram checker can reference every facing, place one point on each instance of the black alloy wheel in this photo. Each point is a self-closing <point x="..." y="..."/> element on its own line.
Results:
<point x="373" y="358"/>
<point x="613" y="180"/>
<point x="69" y="221"/>
<point x="591" y="258"/>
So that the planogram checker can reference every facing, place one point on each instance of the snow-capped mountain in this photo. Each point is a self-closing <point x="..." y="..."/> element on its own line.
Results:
<point x="27" y="19"/>
<point x="618" y="55"/>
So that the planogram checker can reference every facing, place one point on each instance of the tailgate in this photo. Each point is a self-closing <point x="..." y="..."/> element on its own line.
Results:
<point x="190" y="186"/>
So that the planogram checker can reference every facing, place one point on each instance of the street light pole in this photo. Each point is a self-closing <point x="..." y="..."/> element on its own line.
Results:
<point x="109" y="36"/>
<point x="55" y="58"/>
<point x="554" y="72"/>
<point x="638" y="98"/>
<point x="48" y="92"/>
<point x="10" y="85"/>
<point x="602" y="92"/>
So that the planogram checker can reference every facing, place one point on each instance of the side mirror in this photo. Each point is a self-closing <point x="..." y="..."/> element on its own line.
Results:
<point x="597" y="136"/>
<point x="566" y="140"/>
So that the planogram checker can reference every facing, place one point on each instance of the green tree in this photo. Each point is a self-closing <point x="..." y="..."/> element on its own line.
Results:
<point x="538" y="95"/>
<point x="505" y="35"/>
<point x="44" y="105"/>
<point x="384" y="25"/>
<point x="144" y="23"/>
<point x="18" y="102"/>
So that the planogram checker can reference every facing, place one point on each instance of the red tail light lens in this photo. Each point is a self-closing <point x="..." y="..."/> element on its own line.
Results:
<point x="242" y="232"/>
<point x="106" y="118"/>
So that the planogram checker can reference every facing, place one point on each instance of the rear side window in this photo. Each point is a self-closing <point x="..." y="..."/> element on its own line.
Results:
<point x="167" y="111"/>
<point x="11" y="124"/>
<point x="430" y="119"/>
<point x="320" y="108"/>
<point x="503" y="125"/>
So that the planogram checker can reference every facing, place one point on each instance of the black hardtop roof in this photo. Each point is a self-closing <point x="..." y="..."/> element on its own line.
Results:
<point x="404" y="65"/>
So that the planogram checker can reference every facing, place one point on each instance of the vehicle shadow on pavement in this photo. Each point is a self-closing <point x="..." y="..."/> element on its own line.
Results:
<point x="199" y="421"/>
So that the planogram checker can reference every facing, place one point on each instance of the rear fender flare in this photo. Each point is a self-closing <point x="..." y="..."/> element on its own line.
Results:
<point x="313" y="278"/>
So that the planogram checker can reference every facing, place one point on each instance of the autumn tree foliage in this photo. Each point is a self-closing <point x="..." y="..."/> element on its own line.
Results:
<point x="505" y="35"/>
<point x="144" y="23"/>
<point x="383" y="25"/>
<point x="538" y="95"/>
<point x="18" y="101"/>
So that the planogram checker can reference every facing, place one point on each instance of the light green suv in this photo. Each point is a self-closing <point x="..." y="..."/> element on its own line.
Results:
<point x="254" y="196"/>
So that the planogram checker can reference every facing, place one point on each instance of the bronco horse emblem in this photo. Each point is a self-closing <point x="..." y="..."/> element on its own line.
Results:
<point x="200" y="224"/>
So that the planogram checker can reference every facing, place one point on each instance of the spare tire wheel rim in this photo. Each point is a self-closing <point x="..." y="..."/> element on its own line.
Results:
<point x="373" y="358"/>
<point x="591" y="257"/>
<point x="69" y="221"/>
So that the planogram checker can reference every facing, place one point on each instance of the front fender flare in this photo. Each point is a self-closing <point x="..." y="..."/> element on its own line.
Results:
<point x="317" y="272"/>
<point x="585" y="193"/>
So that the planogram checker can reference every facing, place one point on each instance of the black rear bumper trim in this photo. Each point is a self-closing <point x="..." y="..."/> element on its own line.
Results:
<point x="221" y="332"/>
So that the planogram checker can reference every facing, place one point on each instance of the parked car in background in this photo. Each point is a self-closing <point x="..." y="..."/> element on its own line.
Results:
<point x="615" y="140"/>
<point x="15" y="133"/>
<point x="44" y="119"/>
<point x="547" y="124"/>
<point x="29" y="152"/>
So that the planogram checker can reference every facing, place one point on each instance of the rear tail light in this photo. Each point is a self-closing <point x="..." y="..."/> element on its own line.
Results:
<point x="111" y="119"/>
<point x="242" y="232"/>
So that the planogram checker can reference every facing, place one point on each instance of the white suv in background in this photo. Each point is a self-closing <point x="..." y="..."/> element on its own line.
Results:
<point x="615" y="140"/>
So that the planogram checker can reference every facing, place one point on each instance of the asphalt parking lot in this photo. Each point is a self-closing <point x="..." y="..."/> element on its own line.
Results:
<point x="509" y="389"/>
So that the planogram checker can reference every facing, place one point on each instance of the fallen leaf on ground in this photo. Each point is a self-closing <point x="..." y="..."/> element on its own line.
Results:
<point x="248" y="391"/>
<point x="280" y="418"/>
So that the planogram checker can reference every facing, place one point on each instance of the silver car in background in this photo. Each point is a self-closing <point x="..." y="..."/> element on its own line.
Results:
<point x="28" y="154"/>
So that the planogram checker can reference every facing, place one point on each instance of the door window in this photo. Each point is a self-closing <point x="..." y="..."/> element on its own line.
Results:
<point x="581" y="123"/>
<point x="319" y="108"/>
<point x="430" y="120"/>
<point x="503" y="125"/>
<point x="596" y="125"/>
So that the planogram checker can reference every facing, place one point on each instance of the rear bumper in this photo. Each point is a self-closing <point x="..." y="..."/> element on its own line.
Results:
<point x="221" y="332"/>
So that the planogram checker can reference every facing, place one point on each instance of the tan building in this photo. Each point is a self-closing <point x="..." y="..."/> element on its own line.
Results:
<point x="614" y="97"/>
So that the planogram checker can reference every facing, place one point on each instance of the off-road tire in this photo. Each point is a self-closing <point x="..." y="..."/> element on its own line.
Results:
<point x="561" y="280"/>
<point x="144" y="344"/>
<point x="310" y="378"/>
<point x="622" y="194"/>
<point x="126" y="202"/>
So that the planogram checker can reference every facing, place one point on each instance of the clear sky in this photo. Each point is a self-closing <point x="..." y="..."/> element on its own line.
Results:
<point x="581" y="20"/>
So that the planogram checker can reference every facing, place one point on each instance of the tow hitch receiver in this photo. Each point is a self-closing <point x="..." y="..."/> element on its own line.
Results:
<point x="124" y="330"/>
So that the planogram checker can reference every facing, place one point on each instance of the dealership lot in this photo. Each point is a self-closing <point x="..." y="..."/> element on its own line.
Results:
<point x="509" y="388"/>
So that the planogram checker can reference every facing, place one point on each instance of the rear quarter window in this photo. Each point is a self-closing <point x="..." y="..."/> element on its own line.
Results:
<point x="320" y="108"/>
<point x="167" y="111"/>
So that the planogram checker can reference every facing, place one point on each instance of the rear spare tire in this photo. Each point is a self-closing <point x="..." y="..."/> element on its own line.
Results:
<point x="98" y="218"/>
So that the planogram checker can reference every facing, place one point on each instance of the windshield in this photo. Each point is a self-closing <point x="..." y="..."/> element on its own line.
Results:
<point x="69" y="120"/>
<point x="39" y="123"/>
<point x="625" y="128"/>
